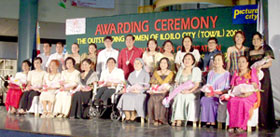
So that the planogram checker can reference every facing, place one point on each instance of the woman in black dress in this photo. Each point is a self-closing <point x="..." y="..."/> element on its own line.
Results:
<point x="257" y="53"/>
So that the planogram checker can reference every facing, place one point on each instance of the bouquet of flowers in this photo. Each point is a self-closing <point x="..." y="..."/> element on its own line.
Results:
<point x="260" y="63"/>
<point x="185" y="86"/>
<point x="210" y="90"/>
<point x="21" y="82"/>
<point x="238" y="90"/>
<point x="157" y="88"/>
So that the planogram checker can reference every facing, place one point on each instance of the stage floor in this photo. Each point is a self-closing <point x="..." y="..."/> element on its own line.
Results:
<point x="107" y="128"/>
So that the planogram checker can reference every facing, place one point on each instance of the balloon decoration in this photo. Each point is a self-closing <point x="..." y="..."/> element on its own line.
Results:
<point x="62" y="3"/>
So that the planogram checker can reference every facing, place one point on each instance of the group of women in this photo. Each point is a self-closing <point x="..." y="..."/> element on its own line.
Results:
<point x="157" y="76"/>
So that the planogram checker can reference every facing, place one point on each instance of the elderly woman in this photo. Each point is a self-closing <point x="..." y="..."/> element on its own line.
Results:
<point x="183" y="102"/>
<point x="51" y="85"/>
<point x="133" y="101"/>
<point x="34" y="85"/>
<point x="108" y="82"/>
<point x="162" y="78"/>
<point x="219" y="79"/>
<point x="241" y="106"/>
<point x="15" y="89"/>
<point x="83" y="96"/>
<point x="69" y="81"/>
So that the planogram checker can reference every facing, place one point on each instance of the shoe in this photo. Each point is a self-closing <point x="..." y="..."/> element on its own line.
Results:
<point x="231" y="130"/>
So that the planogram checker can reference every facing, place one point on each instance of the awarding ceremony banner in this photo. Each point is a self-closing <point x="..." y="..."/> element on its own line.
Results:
<point x="200" y="24"/>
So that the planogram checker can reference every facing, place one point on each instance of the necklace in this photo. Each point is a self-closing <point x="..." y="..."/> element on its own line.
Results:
<point x="49" y="77"/>
<point x="128" y="59"/>
<point x="239" y="49"/>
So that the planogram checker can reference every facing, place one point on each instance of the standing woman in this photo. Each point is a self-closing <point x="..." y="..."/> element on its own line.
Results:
<point x="186" y="48"/>
<point x="219" y="79"/>
<point x="69" y="81"/>
<point x="15" y="91"/>
<point x="133" y="103"/>
<point x="181" y="110"/>
<point x="92" y="54"/>
<point x="234" y="52"/>
<point x="82" y="97"/>
<point x="168" y="50"/>
<point x="157" y="113"/>
<point x="239" y="107"/>
<point x="259" y="52"/>
<point x="75" y="48"/>
<point x="34" y="85"/>
<point x="51" y="85"/>
<point x="151" y="56"/>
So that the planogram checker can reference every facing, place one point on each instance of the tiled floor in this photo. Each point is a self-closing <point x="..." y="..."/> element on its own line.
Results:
<point x="108" y="128"/>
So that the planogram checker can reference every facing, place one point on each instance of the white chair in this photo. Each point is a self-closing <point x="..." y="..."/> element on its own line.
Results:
<point x="252" y="122"/>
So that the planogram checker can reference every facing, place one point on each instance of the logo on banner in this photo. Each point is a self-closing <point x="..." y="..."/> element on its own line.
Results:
<point x="244" y="14"/>
<point x="75" y="26"/>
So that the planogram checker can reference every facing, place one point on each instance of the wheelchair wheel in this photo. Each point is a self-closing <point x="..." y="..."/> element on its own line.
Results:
<point x="93" y="112"/>
<point x="115" y="116"/>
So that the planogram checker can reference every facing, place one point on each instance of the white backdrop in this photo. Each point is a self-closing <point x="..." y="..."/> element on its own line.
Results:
<point x="274" y="42"/>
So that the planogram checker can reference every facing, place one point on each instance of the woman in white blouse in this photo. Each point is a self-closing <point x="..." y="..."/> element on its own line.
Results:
<point x="69" y="81"/>
<point x="151" y="56"/>
<point x="186" y="48"/>
<point x="34" y="85"/>
<point x="51" y="85"/>
<point x="109" y="79"/>
<point x="16" y="88"/>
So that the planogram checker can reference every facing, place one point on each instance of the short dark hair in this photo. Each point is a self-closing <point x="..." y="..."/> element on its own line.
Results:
<point x="38" y="58"/>
<point x="168" y="62"/>
<point x="60" y="43"/>
<point x="87" y="61"/>
<point x="130" y="35"/>
<point x="259" y="34"/>
<point x="50" y="45"/>
<point x="70" y="58"/>
<point x="183" y="47"/>
<point x="111" y="58"/>
<point x="189" y="54"/>
<point x="27" y="62"/>
<point x="76" y="44"/>
<point x="149" y="42"/>
<point x="164" y="43"/>
<point x="223" y="58"/>
<point x="108" y="37"/>
<point x="239" y="32"/>
<point x="92" y="44"/>
<point x="213" y="38"/>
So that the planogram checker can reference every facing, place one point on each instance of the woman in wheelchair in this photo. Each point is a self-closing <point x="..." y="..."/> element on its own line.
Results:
<point x="241" y="106"/>
<point x="133" y="101"/>
<point x="108" y="82"/>
<point x="83" y="95"/>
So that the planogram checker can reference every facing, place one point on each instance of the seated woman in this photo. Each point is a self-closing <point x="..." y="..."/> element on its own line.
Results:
<point x="83" y="96"/>
<point x="109" y="79"/>
<point x="75" y="48"/>
<point x="219" y="79"/>
<point x="34" y="85"/>
<point x="16" y="87"/>
<point x="161" y="79"/>
<point x="186" y="98"/>
<point x="69" y="81"/>
<point x="51" y="85"/>
<point x="133" y="101"/>
<point x="241" y="106"/>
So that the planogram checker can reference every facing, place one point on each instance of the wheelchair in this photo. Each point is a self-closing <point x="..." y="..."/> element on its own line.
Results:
<point x="98" y="111"/>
